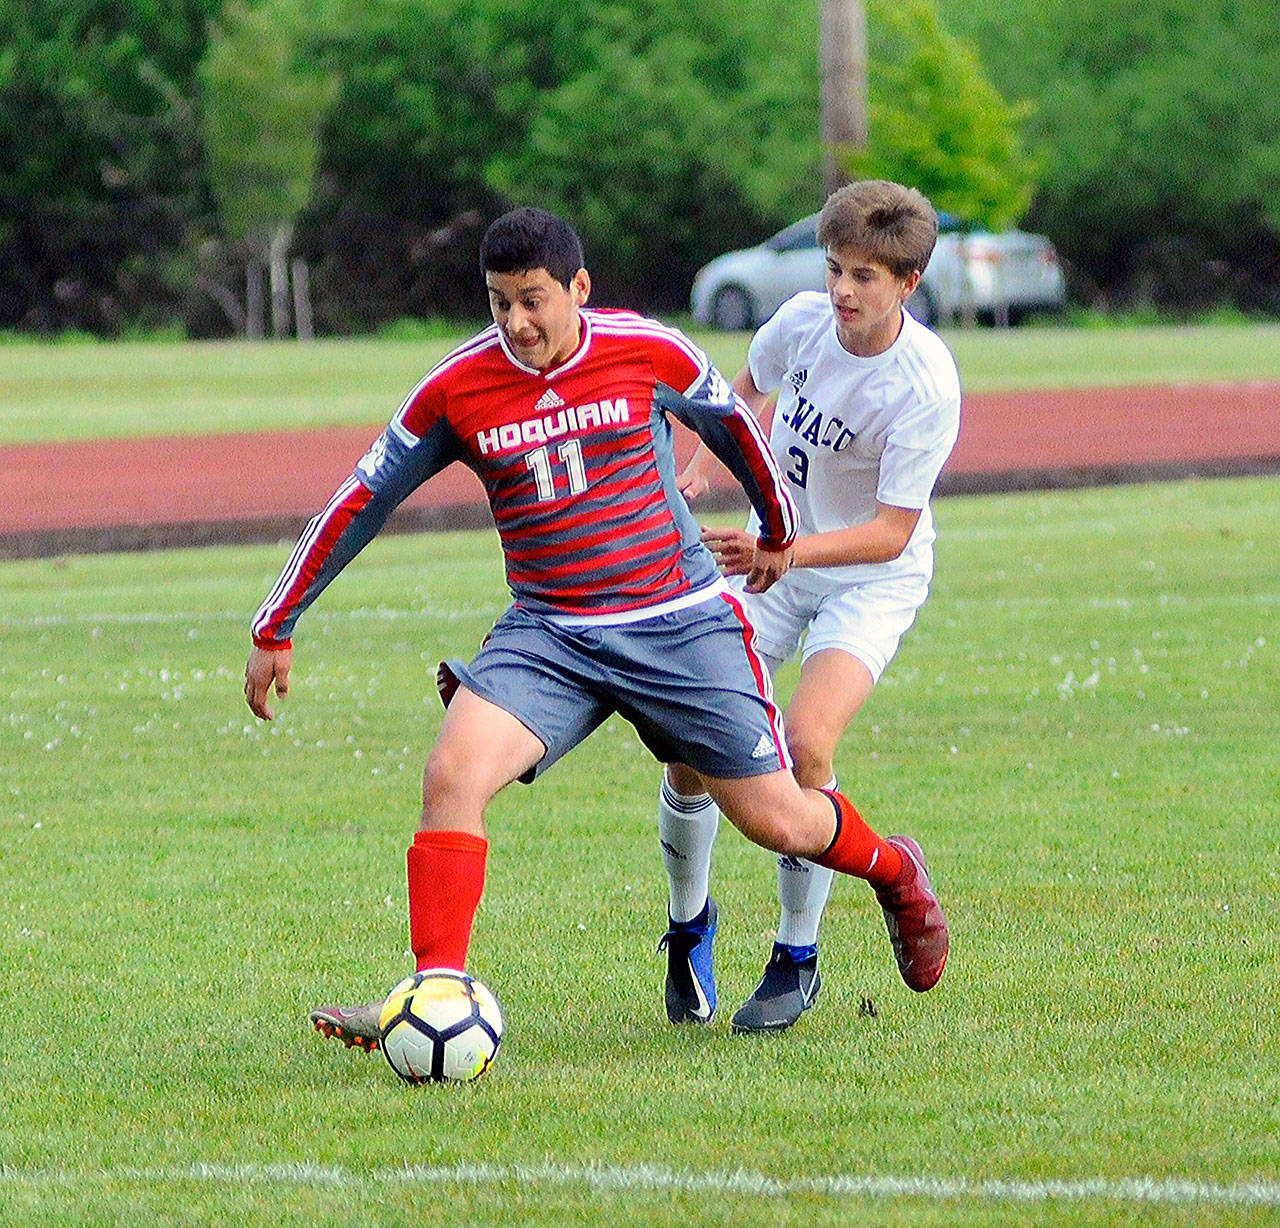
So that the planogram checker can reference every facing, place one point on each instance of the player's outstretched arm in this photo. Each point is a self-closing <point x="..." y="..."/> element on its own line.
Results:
<point x="264" y="668"/>
<point x="695" y="479"/>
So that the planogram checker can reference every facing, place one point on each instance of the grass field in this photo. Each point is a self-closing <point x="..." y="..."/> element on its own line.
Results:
<point x="1081" y="730"/>
<point x="91" y="391"/>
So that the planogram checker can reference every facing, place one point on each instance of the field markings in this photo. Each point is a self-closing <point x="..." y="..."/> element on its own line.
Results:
<point x="389" y="614"/>
<point x="129" y="618"/>
<point x="1167" y="1191"/>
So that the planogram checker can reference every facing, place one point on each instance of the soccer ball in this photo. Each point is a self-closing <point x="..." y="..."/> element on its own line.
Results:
<point x="440" y="1026"/>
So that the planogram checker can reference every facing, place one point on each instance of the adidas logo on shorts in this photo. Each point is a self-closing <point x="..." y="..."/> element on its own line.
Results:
<point x="764" y="747"/>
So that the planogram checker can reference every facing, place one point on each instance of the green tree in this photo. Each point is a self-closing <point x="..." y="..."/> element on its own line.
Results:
<point x="664" y="148"/>
<point x="937" y="122"/>
<point x="663" y="129"/>
<point x="667" y="131"/>
<point x="100" y="182"/>
<point x="262" y="111"/>
<point x="400" y="197"/>
<point x="1158" y="124"/>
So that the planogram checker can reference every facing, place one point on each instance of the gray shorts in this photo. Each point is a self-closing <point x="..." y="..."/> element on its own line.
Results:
<point x="690" y="681"/>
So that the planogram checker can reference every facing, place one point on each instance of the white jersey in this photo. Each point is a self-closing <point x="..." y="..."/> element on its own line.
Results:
<point x="851" y="431"/>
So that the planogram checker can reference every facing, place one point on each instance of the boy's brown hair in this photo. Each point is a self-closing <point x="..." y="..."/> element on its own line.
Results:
<point x="891" y="224"/>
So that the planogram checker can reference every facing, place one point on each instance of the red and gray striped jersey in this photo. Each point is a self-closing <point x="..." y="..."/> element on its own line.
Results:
<point x="578" y="465"/>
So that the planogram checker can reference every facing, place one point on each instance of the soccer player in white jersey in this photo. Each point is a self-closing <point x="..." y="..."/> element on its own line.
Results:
<point x="867" y="412"/>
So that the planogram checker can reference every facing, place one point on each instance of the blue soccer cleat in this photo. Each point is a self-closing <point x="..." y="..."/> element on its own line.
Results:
<point x="691" y="980"/>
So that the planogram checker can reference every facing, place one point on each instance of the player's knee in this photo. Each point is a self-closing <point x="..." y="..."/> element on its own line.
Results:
<point x="443" y="776"/>
<point x="793" y="840"/>
<point x="811" y="760"/>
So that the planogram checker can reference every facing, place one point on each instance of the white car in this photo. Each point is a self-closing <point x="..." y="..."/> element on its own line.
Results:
<point x="972" y="274"/>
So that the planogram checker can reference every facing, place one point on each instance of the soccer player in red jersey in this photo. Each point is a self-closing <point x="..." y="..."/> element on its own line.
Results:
<point x="563" y="411"/>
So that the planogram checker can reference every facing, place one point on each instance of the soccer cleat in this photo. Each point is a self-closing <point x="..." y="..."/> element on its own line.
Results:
<point x="691" y="980"/>
<point x="446" y="683"/>
<point x="787" y="989"/>
<point x="913" y="915"/>
<point x="356" y="1026"/>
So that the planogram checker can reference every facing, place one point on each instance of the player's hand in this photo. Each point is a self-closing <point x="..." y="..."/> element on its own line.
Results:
<point x="767" y="567"/>
<point x="692" y="482"/>
<point x="263" y="669"/>
<point x="734" y="549"/>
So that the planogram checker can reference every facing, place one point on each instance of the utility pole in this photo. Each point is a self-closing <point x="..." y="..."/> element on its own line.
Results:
<point x="843" y="62"/>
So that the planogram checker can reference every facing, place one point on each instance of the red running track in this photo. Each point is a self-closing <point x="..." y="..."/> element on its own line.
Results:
<point x="134" y="493"/>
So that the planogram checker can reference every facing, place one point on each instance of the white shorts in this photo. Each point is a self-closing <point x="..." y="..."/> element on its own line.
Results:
<point x="866" y="620"/>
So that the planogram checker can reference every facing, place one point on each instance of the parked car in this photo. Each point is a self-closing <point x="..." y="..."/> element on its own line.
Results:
<point x="973" y="273"/>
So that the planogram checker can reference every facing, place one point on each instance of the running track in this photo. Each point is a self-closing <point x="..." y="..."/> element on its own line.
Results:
<point x="133" y="494"/>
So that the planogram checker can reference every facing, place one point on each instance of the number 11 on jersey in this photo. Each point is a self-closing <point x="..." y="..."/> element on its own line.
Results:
<point x="569" y="454"/>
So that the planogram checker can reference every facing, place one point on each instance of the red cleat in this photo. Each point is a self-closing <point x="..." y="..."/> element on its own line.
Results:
<point x="913" y="915"/>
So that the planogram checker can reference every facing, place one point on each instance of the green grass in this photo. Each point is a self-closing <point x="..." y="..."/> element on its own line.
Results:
<point x="1080" y="729"/>
<point x="56" y="392"/>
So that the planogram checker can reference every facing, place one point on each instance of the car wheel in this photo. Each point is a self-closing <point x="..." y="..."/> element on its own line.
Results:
<point x="731" y="309"/>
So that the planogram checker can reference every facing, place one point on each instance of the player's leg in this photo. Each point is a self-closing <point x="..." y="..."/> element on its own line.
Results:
<point x="775" y="812"/>
<point x="833" y="686"/>
<point x="512" y="712"/>
<point x="687" y="823"/>
<point x="853" y="634"/>
<point x="481" y="748"/>
<point x="688" y="818"/>
<point x="698" y="693"/>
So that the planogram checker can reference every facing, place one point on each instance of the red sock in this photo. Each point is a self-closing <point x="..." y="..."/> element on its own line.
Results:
<point x="855" y="849"/>
<point x="446" y="880"/>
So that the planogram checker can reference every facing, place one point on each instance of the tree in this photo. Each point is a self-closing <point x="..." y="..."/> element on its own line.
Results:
<point x="262" y="111"/>
<point x="675" y="132"/>
<point x="174" y="151"/>
<point x="101" y="188"/>
<point x="664" y="130"/>
<point x="936" y="121"/>
<point x="1160" y="176"/>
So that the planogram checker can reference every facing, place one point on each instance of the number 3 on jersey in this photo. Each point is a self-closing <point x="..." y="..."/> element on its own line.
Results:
<point x="569" y="454"/>
<point x="798" y="471"/>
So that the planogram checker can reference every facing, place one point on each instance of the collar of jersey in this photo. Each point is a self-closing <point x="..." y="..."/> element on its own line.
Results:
<point x="551" y="372"/>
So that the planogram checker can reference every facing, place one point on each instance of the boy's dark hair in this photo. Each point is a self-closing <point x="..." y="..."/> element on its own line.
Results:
<point x="528" y="238"/>
<point x="893" y="225"/>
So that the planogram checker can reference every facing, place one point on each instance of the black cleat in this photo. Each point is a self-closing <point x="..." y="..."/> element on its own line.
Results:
<point x="787" y="989"/>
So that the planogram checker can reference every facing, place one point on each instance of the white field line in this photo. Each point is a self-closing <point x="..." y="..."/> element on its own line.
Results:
<point x="128" y="618"/>
<point x="1033" y="530"/>
<point x="37" y="622"/>
<point x="1169" y="1191"/>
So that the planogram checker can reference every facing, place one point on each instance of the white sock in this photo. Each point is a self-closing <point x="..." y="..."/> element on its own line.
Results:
<point x="803" y="888"/>
<point x="687" y="828"/>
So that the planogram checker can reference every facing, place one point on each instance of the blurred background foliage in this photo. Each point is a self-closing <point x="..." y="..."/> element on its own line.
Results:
<point x="152" y="150"/>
